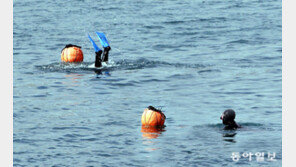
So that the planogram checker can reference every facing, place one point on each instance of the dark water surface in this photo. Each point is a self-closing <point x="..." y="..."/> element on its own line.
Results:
<point x="193" y="59"/>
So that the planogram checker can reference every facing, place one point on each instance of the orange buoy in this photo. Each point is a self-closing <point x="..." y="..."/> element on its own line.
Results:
<point x="153" y="117"/>
<point x="72" y="54"/>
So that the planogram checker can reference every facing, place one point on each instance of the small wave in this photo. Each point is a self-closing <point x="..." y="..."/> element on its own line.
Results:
<point x="101" y="8"/>
<point x="186" y="33"/>
<point x="174" y="22"/>
<point x="208" y="70"/>
<point x="154" y="80"/>
<point x="252" y="124"/>
<point x="42" y="87"/>
<point x="122" y="84"/>
<point x="39" y="96"/>
<point x="154" y="27"/>
<point x="160" y="47"/>
<point x="70" y="127"/>
<point x="181" y="76"/>
<point x="207" y="20"/>
<point x="241" y="41"/>
<point x="212" y="19"/>
<point x="221" y="126"/>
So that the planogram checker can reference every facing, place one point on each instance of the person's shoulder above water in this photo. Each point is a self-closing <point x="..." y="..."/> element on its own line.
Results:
<point x="227" y="118"/>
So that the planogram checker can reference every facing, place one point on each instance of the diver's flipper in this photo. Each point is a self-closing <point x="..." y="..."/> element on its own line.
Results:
<point x="94" y="44"/>
<point x="103" y="39"/>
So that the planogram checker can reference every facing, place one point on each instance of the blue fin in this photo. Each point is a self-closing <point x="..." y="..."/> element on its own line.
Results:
<point x="94" y="44"/>
<point x="103" y="39"/>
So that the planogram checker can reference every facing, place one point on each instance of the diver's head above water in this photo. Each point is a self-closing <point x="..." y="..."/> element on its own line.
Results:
<point x="227" y="118"/>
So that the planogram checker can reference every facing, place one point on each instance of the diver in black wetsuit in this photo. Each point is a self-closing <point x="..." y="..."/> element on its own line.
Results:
<point x="104" y="58"/>
<point x="227" y="118"/>
<point x="98" y="51"/>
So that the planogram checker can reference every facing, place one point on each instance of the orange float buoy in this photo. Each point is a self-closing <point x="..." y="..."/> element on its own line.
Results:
<point x="72" y="54"/>
<point x="153" y="117"/>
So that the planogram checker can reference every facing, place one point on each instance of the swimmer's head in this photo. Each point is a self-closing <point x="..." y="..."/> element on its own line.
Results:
<point x="228" y="117"/>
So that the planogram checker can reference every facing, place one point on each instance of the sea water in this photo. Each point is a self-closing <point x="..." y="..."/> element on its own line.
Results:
<point x="192" y="59"/>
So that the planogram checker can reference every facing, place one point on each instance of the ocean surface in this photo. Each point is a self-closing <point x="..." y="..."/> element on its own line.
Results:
<point x="192" y="59"/>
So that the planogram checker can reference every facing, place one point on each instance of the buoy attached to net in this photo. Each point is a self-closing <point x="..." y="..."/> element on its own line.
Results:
<point x="72" y="53"/>
<point x="153" y="117"/>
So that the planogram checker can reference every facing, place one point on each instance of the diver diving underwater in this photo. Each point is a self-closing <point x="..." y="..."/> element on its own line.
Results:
<point x="77" y="56"/>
